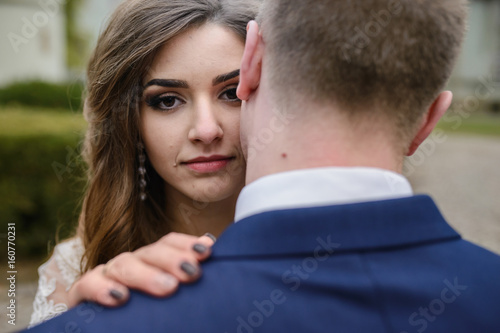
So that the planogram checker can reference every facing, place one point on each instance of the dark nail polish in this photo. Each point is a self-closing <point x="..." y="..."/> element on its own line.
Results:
<point x="200" y="248"/>
<point x="189" y="269"/>
<point x="116" y="294"/>
<point x="212" y="237"/>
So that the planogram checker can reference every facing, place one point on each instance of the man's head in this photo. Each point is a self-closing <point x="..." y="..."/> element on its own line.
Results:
<point x="383" y="60"/>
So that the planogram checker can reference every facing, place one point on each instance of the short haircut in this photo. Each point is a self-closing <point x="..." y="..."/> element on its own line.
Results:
<point x="395" y="55"/>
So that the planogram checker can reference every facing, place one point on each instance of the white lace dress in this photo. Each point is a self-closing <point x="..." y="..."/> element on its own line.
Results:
<point x="56" y="276"/>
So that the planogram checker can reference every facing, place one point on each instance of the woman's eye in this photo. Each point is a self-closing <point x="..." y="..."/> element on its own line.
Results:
<point x="165" y="103"/>
<point x="230" y="95"/>
<point x="169" y="102"/>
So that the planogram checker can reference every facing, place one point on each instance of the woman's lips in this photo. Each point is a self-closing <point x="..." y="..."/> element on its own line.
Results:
<point x="208" y="164"/>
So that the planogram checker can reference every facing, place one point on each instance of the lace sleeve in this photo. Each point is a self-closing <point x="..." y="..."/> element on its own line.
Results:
<point x="56" y="276"/>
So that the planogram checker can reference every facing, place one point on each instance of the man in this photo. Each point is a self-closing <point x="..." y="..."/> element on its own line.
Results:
<point x="328" y="235"/>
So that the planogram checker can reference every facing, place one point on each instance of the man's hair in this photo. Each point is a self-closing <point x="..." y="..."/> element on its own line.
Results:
<point x="393" y="55"/>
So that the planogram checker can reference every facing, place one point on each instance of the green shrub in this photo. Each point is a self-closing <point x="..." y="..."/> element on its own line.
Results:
<point x="43" y="94"/>
<point x="41" y="182"/>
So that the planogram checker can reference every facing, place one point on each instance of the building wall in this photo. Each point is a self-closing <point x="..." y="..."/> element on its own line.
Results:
<point x="32" y="41"/>
<point x="479" y="61"/>
<point x="93" y="17"/>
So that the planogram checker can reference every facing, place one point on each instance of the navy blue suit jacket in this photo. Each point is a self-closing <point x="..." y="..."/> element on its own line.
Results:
<point x="387" y="266"/>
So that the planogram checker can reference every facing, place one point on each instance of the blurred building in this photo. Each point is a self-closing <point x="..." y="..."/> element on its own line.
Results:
<point x="33" y="37"/>
<point x="94" y="16"/>
<point x="477" y="73"/>
<point x="32" y="43"/>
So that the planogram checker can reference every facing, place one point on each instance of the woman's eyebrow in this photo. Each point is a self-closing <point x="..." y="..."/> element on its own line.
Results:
<point x="226" y="77"/>
<point x="167" y="83"/>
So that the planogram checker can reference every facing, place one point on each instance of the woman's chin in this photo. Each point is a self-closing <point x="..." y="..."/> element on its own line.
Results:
<point x="215" y="195"/>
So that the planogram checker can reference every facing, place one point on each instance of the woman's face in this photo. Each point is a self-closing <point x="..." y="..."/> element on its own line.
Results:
<point x="190" y="114"/>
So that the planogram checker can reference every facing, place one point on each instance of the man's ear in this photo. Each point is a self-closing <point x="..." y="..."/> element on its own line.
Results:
<point x="251" y="64"/>
<point x="431" y="118"/>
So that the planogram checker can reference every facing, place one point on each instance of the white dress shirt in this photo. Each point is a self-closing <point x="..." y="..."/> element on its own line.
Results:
<point x="319" y="187"/>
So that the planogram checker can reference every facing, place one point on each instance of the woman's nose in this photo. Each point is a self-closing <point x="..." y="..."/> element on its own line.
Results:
<point x="206" y="126"/>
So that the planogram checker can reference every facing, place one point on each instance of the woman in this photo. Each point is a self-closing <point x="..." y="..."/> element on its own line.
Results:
<point x="162" y="149"/>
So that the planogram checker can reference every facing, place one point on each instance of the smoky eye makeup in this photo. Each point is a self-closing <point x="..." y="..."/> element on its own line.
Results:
<point x="167" y="100"/>
<point x="229" y="94"/>
<point x="164" y="102"/>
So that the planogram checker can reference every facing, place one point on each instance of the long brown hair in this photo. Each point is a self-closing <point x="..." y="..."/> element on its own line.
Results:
<point x="113" y="218"/>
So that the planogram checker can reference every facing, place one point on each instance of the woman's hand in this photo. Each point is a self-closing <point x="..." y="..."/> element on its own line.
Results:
<point x="155" y="269"/>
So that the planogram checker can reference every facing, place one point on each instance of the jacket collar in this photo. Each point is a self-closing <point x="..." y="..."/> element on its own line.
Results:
<point x="339" y="228"/>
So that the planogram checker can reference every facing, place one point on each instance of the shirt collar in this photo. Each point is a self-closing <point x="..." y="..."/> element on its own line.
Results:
<point x="319" y="187"/>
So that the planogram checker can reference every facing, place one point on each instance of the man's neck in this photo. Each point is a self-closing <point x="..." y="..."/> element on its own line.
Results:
<point x="315" y="142"/>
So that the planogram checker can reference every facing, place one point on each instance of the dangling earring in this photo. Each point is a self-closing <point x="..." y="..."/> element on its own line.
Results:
<point x="142" y="172"/>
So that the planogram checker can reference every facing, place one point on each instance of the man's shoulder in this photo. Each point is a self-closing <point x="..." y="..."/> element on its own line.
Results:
<point x="353" y="267"/>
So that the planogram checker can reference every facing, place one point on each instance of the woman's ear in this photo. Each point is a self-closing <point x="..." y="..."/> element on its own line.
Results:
<point x="251" y="64"/>
<point x="431" y="118"/>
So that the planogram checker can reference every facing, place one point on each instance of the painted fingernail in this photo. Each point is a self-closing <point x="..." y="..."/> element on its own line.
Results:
<point x="167" y="281"/>
<point x="189" y="269"/>
<point x="200" y="248"/>
<point x="212" y="237"/>
<point x="116" y="294"/>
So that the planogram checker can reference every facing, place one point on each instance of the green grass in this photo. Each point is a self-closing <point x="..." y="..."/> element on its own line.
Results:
<point x="43" y="176"/>
<point x="24" y="121"/>
<point x="479" y="124"/>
